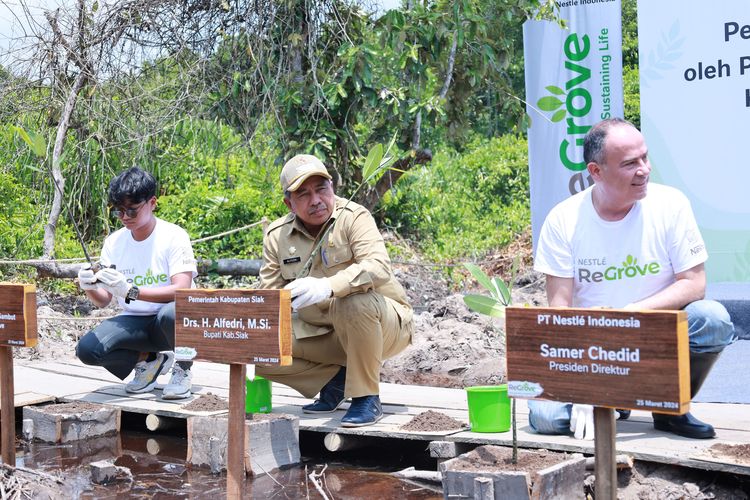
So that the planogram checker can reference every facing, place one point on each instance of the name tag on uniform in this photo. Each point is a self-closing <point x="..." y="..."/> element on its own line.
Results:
<point x="292" y="260"/>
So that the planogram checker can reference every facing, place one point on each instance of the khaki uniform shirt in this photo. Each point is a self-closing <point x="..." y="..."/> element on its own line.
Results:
<point x="353" y="258"/>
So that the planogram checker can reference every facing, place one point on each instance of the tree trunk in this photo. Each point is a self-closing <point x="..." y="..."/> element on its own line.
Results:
<point x="416" y="137"/>
<point x="449" y="70"/>
<point x="58" y="180"/>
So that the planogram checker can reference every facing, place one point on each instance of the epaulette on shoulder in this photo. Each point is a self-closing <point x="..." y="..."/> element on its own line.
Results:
<point x="280" y="222"/>
<point x="349" y="206"/>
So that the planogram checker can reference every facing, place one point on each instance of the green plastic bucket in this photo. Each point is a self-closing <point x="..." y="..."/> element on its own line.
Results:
<point x="258" y="395"/>
<point x="489" y="408"/>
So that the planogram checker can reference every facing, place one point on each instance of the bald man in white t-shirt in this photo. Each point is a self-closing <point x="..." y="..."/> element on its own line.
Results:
<point x="626" y="243"/>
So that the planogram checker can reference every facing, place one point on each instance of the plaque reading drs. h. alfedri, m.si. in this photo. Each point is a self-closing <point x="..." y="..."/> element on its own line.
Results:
<point x="243" y="326"/>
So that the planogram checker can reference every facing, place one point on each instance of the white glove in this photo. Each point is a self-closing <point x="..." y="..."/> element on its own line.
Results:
<point x="86" y="278"/>
<point x="308" y="291"/>
<point x="113" y="281"/>
<point x="582" y="421"/>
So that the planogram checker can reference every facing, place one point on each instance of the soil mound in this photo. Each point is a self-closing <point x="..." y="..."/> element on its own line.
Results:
<point x="207" y="402"/>
<point x="432" y="421"/>
<point x="453" y="346"/>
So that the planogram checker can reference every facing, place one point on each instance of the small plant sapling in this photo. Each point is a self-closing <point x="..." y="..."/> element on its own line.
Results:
<point x="494" y="305"/>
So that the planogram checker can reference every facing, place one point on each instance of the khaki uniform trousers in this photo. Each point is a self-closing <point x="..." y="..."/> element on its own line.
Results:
<point x="366" y="330"/>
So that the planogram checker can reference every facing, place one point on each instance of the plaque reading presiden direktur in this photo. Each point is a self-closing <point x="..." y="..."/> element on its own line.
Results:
<point x="603" y="357"/>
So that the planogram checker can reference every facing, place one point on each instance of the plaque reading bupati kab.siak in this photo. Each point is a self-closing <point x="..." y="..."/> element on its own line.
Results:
<point x="242" y="326"/>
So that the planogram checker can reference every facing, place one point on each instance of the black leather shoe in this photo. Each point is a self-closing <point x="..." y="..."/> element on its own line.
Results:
<point x="331" y="395"/>
<point x="687" y="425"/>
<point x="365" y="410"/>
<point x="622" y="414"/>
<point x="683" y="425"/>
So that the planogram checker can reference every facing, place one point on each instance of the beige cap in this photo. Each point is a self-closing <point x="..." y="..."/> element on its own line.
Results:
<point x="299" y="169"/>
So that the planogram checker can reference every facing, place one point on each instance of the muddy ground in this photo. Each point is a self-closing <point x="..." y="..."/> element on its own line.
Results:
<point x="452" y="347"/>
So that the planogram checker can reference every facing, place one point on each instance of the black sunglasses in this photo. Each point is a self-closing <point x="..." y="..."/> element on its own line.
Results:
<point x="119" y="212"/>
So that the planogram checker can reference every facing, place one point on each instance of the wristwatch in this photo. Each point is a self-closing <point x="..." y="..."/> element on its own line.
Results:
<point x="132" y="294"/>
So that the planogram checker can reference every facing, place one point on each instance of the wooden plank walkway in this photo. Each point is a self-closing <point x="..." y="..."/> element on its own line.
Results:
<point x="21" y="399"/>
<point x="72" y="381"/>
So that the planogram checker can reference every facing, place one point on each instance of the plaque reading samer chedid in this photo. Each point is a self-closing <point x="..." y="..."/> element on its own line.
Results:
<point x="235" y="326"/>
<point x="603" y="357"/>
<point x="18" y="322"/>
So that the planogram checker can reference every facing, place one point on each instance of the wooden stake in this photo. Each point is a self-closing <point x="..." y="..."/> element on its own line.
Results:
<point x="236" y="434"/>
<point x="605" y="468"/>
<point x="7" y="407"/>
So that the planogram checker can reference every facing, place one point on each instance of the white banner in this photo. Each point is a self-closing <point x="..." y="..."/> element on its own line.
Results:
<point x="695" y="112"/>
<point x="573" y="80"/>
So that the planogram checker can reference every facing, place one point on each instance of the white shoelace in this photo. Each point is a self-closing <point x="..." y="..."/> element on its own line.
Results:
<point x="178" y="375"/>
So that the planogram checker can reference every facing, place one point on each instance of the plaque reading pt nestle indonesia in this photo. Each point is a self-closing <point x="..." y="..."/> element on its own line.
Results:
<point x="603" y="357"/>
<point x="18" y="315"/>
<point x="235" y="326"/>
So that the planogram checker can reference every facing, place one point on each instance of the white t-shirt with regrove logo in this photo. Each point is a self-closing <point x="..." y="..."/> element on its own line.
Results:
<point x="149" y="263"/>
<point x="616" y="263"/>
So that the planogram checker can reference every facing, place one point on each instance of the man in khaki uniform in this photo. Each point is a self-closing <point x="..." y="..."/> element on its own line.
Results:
<point x="350" y="312"/>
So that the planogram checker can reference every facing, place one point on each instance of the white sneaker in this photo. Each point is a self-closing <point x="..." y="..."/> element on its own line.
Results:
<point x="146" y="373"/>
<point x="179" y="385"/>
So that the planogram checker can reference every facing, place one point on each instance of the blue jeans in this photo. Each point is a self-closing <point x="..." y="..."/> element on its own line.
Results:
<point x="117" y="343"/>
<point x="709" y="330"/>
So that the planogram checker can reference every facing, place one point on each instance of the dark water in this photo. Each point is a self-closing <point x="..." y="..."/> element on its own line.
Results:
<point x="158" y="467"/>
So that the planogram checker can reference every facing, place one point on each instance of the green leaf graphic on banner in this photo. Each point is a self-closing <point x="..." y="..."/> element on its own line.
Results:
<point x="559" y="115"/>
<point x="549" y="103"/>
<point x="553" y="89"/>
<point x="661" y="58"/>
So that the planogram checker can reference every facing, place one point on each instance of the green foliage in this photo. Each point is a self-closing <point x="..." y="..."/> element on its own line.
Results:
<point x="631" y="84"/>
<point x="21" y="220"/>
<point x="632" y="95"/>
<point x="322" y="77"/>
<point x="20" y="225"/>
<point x="36" y="142"/>
<point x="209" y="183"/>
<point x="464" y="204"/>
<point x="224" y="193"/>
<point x="629" y="33"/>
<point x="350" y="80"/>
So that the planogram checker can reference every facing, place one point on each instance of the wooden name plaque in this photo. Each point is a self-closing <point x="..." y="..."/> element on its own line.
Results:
<point x="18" y="326"/>
<point x="235" y="326"/>
<point x="602" y="357"/>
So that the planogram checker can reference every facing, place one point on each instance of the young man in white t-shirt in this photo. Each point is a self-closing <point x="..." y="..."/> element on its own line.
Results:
<point x="144" y="262"/>
<point x="625" y="243"/>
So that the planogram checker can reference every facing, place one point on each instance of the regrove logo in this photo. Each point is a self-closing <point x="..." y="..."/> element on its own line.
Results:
<point x="150" y="279"/>
<point x="524" y="389"/>
<point x="629" y="269"/>
<point x="577" y="101"/>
